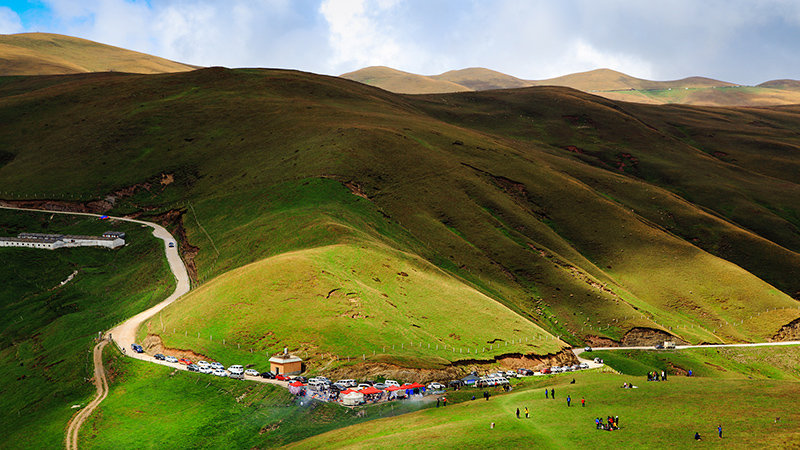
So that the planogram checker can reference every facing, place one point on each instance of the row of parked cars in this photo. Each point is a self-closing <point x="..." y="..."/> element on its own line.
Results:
<point x="562" y="369"/>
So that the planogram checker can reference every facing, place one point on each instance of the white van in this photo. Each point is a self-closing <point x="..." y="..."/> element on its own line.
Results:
<point x="391" y="383"/>
<point x="236" y="369"/>
<point x="346" y="383"/>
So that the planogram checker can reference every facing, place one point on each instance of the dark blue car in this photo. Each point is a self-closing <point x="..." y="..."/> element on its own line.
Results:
<point x="137" y="348"/>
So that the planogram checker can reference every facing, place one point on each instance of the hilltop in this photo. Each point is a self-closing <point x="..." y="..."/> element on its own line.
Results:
<point x="51" y="54"/>
<point x="603" y="82"/>
<point x="402" y="82"/>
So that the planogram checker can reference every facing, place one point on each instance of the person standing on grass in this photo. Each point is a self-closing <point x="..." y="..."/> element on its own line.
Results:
<point x="444" y="401"/>
<point x="719" y="431"/>
<point x="569" y="399"/>
<point x="553" y="393"/>
<point x="517" y="413"/>
<point x="526" y="412"/>
<point x="546" y="393"/>
<point x="583" y="402"/>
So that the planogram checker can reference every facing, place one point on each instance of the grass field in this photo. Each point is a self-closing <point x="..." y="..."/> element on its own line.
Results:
<point x="47" y="331"/>
<point x="656" y="415"/>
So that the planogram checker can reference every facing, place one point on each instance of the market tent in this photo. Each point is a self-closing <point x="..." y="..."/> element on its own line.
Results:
<point x="347" y="391"/>
<point x="352" y="398"/>
<point x="297" y="384"/>
<point x="370" y="390"/>
<point x="416" y="386"/>
<point x="394" y="388"/>
<point x="470" y="379"/>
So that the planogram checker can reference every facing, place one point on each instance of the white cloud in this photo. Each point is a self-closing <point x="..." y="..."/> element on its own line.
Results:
<point x="9" y="21"/>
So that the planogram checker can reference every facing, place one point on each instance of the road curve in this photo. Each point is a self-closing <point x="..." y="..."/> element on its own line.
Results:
<point x="101" y="383"/>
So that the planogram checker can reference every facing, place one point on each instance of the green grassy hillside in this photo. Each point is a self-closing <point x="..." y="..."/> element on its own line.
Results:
<point x="591" y="218"/>
<point x="47" y="330"/>
<point x="654" y="415"/>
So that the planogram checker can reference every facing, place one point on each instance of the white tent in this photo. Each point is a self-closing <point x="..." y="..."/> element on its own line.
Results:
<point x="352" y="398"/>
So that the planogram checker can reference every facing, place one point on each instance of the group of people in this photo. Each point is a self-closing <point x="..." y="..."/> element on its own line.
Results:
<point x="655" y="376"/>
<point x="697" y="436"/>
<point x="627" y="385"/>
<point x="611" y="423"/>
<point x="527" y="413"/>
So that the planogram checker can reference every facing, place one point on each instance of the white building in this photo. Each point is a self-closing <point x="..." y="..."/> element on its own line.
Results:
<point x="109" y="239"/>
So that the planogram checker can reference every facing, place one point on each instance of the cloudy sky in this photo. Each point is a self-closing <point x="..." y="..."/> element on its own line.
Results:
<point x="744" y="41"/>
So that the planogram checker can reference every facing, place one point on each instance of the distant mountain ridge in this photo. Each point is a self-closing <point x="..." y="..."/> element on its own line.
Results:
<point x="55" y="54"/>
<point x="604" y="82"/>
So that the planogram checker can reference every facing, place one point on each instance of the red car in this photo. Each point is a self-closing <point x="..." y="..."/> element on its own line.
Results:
<point x="545" y="370"/>
<point x="281" y="377"/>
<point x="184" y="361"/>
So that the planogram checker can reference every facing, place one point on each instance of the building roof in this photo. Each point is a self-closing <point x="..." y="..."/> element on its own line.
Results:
<point x="284" y="359"/>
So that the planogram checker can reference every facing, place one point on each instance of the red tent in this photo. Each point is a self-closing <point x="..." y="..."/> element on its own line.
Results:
<point x="370" y="390"/>
<point x="414" y="386"/>
<point x="297" y="384"/>
<point x="393" y="388"/>
<point x="347" y="391"/>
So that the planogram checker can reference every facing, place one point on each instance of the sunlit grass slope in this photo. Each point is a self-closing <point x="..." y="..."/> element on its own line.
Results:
<point x="349" y="300"/>
<point x="654" y="415"/>
<point x="48" y="54"/>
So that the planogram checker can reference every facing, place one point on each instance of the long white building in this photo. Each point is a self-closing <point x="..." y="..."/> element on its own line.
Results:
<point x="109" y="239"/>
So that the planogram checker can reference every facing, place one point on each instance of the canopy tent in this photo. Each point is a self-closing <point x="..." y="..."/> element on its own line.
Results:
<point x="415" y="386"/>
<point x="352" y="398"/>
<point x="393" y="388"/>
<point x="297" y="383"/>
<point x="470" y="379"/>
<point x="370" y="390"/>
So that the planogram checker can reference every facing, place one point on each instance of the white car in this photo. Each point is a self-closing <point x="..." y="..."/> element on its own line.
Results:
<point x="251" y="372"/>
<point x="584" y="365"/>
<point x="511" y="374"/>
<point x="435" y="386"/>
<point x="202" y="364"/>
<point x="216" y="365"/>
<point x="220" y="373"/>
<point x="236" y="369"/>
<point x="391" y="383"/>
<point x="346" y="383"/>
<point x="171" y="359"/>
<point x="206" y="370"/>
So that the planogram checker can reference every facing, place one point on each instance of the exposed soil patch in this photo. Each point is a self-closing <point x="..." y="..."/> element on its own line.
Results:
<point x="153" y="344"/>
<point x="599" y="341"/>
<point x="640" y="336"/>
<point x="788" y="332"/>
<point x="574" y="149"/>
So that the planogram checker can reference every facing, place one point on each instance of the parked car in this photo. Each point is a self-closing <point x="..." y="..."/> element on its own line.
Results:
<point x="584" y="365"/>
<point x="251" y="373"/>
<point x="575" y="367"/>
<point x="555" y="369"/>
<point x="587" y="349"/>
<point x="391" y="383"/>
<point x="184" y="361"/>
<point x="380" y="386"/>
<point x="267" y="375"/>
<point x="236" y="369"/>
<point x="546" y="370"/>
<point x="137" y="348"/>
<point x="193" y="368"/>
<point x="236" y="375"/>
<point x="159" y="356"/>
<point x="220" y="373"/>
<point x="305" y="380"/>
<point x="436" y="386"/>
<point x="170" y="359"/>
<point x="363" y="386"/>
<point x="525" y="372"/>
<point x="171" y="245"/>
<point x="216" y="365"/>
<point x="598" y="361"/>
<point x="206" y="369"/>
<point x="347" y="383"/>
<point x="281" y="377"/>
<point x="659" y="346"/>
<point x="203" y="364"/>
<point x="511" y="374"/>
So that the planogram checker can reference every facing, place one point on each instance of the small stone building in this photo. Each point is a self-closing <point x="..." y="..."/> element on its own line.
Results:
<point x="285" y="364"/>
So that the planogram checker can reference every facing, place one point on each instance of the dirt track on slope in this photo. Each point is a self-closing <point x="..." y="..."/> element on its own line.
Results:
<point x="101" y="382"/>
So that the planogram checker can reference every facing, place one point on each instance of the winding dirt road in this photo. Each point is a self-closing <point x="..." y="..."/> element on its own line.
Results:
<point x="101" y="383"/>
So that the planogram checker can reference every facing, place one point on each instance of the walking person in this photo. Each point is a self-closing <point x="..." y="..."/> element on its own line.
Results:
<point x="517" y="413"/>
<point x="553" y="393"/>
<point x="719" y="431"/>
<point x="526" y="412"/>
<point x="444" y="402"/>
<point x="546" y="393"/>
<point x="583" y="402"/>
<point x="569" y="399"/>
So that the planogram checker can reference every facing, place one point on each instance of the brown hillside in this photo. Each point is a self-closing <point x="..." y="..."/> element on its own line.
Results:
<point x="397" y="81"/>
<point x="781" y="84"/>
<point x="52" y="54"/>
<point x="481" y="79"/>
<point x="611" y="80"/>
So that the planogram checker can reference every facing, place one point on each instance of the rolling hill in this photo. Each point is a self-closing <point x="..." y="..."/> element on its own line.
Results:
<point x="51" y="54"/>
<point x="603" y="82"/>
<point x="598" y="221"/>
<point x="402" y="82"/>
